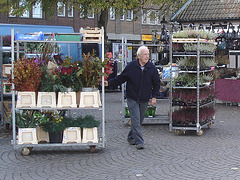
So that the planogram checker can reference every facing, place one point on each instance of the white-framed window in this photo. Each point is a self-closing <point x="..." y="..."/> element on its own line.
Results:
<point x="90" y="14"/>
<point x="150" y="17"/>
<point x="61" y="9"/>
<point x="81" y="12"/>
<point x="122" y="17"/>
<point x="112" y="13"/>
<point x="10" y="13"/>
<point x="37" y="10"/>
<point x="26" y="12"/>
<point x="129" y="15"/>
<point x="70" y="10"/>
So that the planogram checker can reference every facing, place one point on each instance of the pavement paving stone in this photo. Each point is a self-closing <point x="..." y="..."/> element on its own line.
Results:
<point x="166" y="156"/>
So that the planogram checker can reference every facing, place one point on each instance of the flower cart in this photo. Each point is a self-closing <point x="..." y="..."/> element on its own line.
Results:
<point x="50" y="102"/>
<point x="192" y="92"/>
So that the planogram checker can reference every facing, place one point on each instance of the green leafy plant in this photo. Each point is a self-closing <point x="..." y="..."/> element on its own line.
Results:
<point x="49" y="83"/>
<point x="206" y="48"/>
<point x="54" y="122"/>
<point x="87" y="121"/>
<point x="46" y="50"/>
<point x="190" y="80"/>
<point x="191" y="62"/>
<point x="27" y="119"/>
<point x="92" y="70"/>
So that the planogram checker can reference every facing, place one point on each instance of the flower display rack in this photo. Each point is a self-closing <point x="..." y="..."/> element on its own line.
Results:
<point x="28" y="101"/>
<point x="192" y="91"/>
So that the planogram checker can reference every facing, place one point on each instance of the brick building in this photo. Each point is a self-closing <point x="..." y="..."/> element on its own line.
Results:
<point x="119" y="26"/>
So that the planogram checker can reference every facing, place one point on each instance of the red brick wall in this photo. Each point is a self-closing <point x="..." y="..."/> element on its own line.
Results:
<point x="76" y="22"/>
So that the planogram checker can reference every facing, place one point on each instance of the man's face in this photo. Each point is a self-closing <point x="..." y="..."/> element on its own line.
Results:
<point x="143" y="57"/>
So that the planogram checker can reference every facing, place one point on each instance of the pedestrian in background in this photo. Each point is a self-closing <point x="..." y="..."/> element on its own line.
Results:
<point x="142" y="84"/>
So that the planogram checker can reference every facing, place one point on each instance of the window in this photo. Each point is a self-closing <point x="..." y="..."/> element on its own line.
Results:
<point x="37" y="10"/>
<point x="70" y="10"/>
<point x="61" y="9"/>
<point x="81" y="12"/>
<point x="122" y="16"/>
<point x="129" y="16"/>
<point x="26" y="12"/>
<point x="90" y="14"/>
<point x="150" y="17"/>
<point x="112" y="13"/>
<point x="10" y="13"/>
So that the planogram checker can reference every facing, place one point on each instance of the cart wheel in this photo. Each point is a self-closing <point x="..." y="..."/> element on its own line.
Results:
<point x="200" y="132"/>
<point x="92" y="149"/>
<point x="129" y="122"/>
<point x="177" y="132"/>
<point x="25" y="151"/>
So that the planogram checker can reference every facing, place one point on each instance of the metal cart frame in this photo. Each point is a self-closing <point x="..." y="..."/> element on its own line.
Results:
<point x="26" y="148"/>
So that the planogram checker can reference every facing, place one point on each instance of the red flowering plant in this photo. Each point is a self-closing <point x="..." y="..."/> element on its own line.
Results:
<point x="27" y="75"/>
<point x="69" y="74"/>
<point x="108" y="68"/>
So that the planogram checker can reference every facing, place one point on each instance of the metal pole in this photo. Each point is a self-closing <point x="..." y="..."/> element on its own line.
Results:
<point x="13" y="90"/>
<point x="103" y="94"/>
<point x="1" y="69"/>
<point x="123" y="65"/>
<point x="198" y="67"/>
<point x="171" y="88"/>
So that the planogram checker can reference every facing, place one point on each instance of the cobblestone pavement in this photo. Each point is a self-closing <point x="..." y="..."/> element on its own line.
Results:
<point x="214" y="155"/>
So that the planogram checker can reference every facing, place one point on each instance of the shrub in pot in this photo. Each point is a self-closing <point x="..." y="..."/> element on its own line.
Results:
<point x="54" y="124"/>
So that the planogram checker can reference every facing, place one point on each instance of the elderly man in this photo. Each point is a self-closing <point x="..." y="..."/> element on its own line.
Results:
<point x="143" y="84"/>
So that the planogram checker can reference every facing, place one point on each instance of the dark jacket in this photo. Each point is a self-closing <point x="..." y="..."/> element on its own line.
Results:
<point x="141" y="84"/>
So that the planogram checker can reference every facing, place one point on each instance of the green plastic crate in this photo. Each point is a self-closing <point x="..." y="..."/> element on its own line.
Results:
<point x="151" y="111"/>
<point x="68" y="37"/>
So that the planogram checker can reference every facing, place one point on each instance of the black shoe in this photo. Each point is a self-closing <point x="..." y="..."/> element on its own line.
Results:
<point x="139" y="146"/>
<point x="131" y="141"/>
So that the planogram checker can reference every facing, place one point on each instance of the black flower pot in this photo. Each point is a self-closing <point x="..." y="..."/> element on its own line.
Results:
<point x="55" y="137"/>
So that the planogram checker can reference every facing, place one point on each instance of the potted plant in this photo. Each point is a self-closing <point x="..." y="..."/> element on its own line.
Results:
<point x="190" y="80"/>
<point x="69" y="73"/>
<point x="187" y="116"/>
<point x="54" y="124"/>
<point x="208" y="35"/>
<point x="26" y="123"/>
<point x="27" y="75"/>
<point x="88" y="126"/>
<point x="92" y="70"/>
<point x="92" y="73"/>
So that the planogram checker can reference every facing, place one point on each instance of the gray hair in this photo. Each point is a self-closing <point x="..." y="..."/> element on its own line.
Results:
<point x="140" y="49"/>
